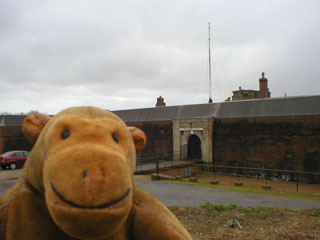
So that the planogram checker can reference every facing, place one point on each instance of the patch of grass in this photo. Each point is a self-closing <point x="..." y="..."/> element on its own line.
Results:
<point x="218" y="207"/>
<point x="210" y="222"/>
<point x="313" y="212"/>
<point x="265" y="213"/>
<point x="250" y="190"/>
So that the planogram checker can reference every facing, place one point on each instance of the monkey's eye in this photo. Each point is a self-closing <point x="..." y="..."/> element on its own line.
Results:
<point x="115" y="137"/>
<point x="65" y="133"/>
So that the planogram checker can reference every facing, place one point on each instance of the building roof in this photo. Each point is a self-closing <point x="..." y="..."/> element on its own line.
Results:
<point x="245" y="90"/>
<point x="11" y="120"/>
<point x="270" y="107"/>
<point x="169" y="113"/>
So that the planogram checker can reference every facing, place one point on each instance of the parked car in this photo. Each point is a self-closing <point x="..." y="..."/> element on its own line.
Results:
<point x="13" y="159"/>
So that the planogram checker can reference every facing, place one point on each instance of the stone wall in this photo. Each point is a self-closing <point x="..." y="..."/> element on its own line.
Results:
<point x="183" y="129"/>
<point x="291" y="143"/>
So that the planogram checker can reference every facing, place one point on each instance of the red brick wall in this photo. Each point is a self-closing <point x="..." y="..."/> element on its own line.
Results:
<point x="159" y="140"/>
<point x="12" y="138"/>
<point x="263" y="87"/>
<point x="273" y="142"/>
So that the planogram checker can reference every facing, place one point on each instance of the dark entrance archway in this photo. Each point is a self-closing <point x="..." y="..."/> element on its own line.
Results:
<point x="194" y="147"/>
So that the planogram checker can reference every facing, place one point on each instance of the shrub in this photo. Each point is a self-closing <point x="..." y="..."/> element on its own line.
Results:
<point x="218" y="207"/>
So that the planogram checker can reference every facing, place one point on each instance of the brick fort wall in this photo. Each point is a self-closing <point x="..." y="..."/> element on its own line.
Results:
<point x="159" y="140"/>
<point x="12" y="138"/>
<point x="291" y="143"/>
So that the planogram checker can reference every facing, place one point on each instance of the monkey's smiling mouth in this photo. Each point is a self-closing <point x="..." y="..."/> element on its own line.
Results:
<point x="91" y="207"/>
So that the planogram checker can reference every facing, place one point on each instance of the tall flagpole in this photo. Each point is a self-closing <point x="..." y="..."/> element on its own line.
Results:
<point x="210" y="99"/>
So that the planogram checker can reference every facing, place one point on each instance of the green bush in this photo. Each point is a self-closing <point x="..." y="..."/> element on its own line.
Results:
<point x="218" y="207"/>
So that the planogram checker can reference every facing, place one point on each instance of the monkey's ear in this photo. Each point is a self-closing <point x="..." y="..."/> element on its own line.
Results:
<point x="139" y="138"/>
<point x="33" y="125"/>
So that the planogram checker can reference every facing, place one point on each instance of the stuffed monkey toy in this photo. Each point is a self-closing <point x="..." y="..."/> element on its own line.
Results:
<point x="78" y="183"/>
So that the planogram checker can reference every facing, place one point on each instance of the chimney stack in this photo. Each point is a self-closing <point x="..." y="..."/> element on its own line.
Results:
<point x="160" y="102"/>
<point x="263" y="87"/>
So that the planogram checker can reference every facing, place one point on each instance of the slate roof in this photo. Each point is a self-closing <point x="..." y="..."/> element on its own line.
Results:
<point x="11" y="120"/>
<point x="169" y="113"/>
<point x="271" y="107"/>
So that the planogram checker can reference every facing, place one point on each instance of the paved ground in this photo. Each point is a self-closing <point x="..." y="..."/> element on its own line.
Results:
<point x="4" y="185"/>
<point x="183" y="195"/>
<point x="9" y="174"/>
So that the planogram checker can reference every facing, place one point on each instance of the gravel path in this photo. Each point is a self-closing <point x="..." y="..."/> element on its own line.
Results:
<point x="171" y="194"/>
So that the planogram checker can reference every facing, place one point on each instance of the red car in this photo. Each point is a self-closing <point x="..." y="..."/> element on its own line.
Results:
<point x="13" y="159"/>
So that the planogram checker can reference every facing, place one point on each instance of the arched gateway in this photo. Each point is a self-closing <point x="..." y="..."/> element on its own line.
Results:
<point x="194" y="148"/>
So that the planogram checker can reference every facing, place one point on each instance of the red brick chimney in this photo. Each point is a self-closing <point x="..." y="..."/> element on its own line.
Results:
<point x="160" y="102"/>
<point x="263" y="87"/>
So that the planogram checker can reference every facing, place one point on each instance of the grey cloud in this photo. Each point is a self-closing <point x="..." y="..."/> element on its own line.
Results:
<point x="123" y="54"/>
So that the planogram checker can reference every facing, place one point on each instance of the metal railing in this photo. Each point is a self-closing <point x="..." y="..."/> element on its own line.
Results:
<point x="187" y="169"/>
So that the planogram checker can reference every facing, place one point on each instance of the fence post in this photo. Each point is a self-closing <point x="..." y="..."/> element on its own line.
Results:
<point x="297" y="181"/>
<point x="238" y="173"/>
<point x="265" y="176"/>
<point x="266" y="180"/>
<point x="158" y="167"/>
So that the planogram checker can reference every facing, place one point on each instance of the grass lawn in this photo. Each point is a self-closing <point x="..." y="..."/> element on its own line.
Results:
<point x="245" y="189"/>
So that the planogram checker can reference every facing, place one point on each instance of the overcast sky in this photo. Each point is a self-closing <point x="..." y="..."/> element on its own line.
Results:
<point x="124" y="54"/>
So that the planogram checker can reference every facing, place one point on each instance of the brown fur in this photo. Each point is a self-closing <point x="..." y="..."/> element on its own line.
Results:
<point x="81" y="186"/>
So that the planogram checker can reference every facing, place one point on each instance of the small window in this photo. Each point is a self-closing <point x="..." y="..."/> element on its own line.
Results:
<point x="26" y="154"/>
<point x="7" y="154"/>
<point x="19" y="154"/>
